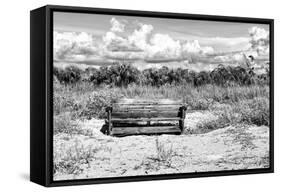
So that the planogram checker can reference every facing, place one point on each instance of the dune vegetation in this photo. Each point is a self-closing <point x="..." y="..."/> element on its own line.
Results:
<point x="236" y="96"/>
<point x="238" y="93"/>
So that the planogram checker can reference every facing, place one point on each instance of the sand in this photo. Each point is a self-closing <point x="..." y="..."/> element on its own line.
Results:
<point x="229" y="148"/>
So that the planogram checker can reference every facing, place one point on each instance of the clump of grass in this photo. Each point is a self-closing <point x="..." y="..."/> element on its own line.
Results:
<point x="200" y="104"/>
<point x="73" y="159"/>
<point x="98" y="101"/>
<point x="251" y="111"/>
<point x="64" y="103"/>
<point x="64" y="124"/>
<point x="83" y="100"/>
<point x="164" y="152"/>
<point x="207" y="126"/>
<point x="256" y="111"/>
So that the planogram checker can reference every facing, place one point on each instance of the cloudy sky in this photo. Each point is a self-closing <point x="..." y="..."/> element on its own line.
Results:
<point x="146" y="42"/>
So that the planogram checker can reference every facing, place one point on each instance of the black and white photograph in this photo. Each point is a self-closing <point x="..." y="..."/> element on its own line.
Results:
<point x="146" y="96"/>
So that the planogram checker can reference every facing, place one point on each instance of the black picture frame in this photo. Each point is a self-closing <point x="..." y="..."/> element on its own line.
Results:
<point x="41" y="118"/>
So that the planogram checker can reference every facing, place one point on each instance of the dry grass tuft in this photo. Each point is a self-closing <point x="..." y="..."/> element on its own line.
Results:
<point x="164" y="153"/>
<point x="74" y="159"/>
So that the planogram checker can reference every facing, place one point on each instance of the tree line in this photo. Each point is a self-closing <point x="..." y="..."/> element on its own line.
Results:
<point x="124" y="74"/>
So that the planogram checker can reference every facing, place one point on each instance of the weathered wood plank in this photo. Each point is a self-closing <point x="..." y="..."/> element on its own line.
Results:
<point x="156" y="108"/>
<point x="147" y="104"/>
<point x="144" y="124"/>
<point x="146" y="108"/>
<point x="147" y="114"/>
<point x="122" y="131"/>
<point x="145" y="111"/>
<point x="158" y="101"/>
<point x="145" y="119"/>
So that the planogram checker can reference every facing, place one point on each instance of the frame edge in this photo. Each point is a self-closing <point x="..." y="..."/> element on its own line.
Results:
<point x="38" y="96"/>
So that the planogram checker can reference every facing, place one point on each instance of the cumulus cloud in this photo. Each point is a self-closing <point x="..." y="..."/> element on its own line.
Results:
<point x="140" y="36"/>
<point x="116" y="25"/>
<point x="73" y="45"/>
<point x="113" y="41"/>
<point x="117" y="43"/>
<point x="259" y="40"/>
<point x="142" y="43"/>
<point x="258" y="47"/>
<point x="163" y="46"/>
<point x="194" y="47"/>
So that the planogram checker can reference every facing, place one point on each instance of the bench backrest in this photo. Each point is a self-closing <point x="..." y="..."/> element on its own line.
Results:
<point x="146" y="109"/>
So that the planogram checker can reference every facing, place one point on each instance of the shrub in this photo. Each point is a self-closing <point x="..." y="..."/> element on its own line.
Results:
<point x="70" y="74"/>
<point x="256" y="111"/>
<point x="123" y="74"/>
<point x="64" y="123"/>
<point x="120" y="74"/>
<point x="64" y="103"/>
<point x="98" y="101"/>
<point x="250" y="111"/>
<point x="200" y="104"/>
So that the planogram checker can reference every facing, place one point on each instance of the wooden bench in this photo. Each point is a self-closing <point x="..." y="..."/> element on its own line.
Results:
<point x="145" y="117"/>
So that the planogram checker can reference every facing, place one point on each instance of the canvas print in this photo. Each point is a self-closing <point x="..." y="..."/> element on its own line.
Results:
<point x="136" y="96"/>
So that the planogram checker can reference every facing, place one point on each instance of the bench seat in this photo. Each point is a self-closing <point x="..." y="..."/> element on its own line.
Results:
<point x="146" y="119"/>
<point x="125" y="131"/>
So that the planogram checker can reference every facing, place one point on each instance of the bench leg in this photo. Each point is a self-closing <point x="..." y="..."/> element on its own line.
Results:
<point x="182" y="115"/>
<point x="109" y="128"/>
<point x="181" y="125"/>
<point x="109" y="111"/>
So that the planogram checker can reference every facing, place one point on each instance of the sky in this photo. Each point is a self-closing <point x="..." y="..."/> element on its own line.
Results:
<point x="94" y="39"/>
